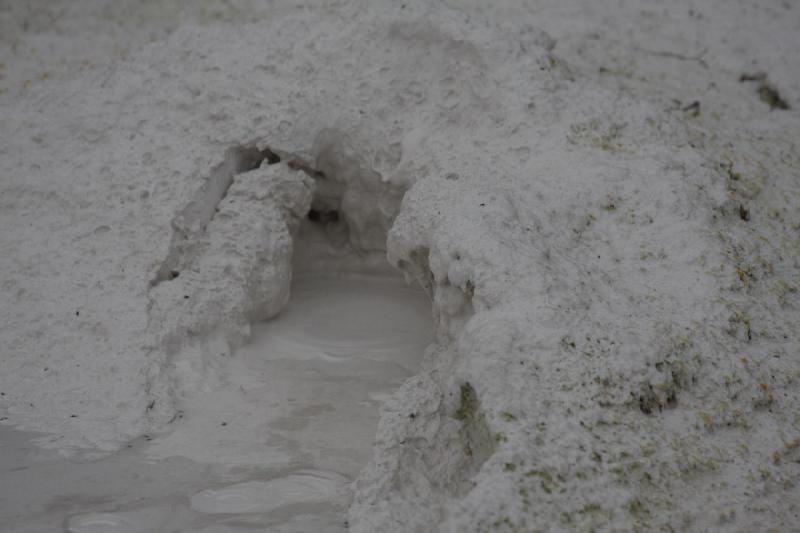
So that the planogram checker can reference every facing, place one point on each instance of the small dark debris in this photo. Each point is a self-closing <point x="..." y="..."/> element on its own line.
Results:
<point x="77" y="313"/>
<point x="643" y="407"/>
<point x="148" y="438"/>
<point x="46" y="369"/>
<point x="3" y="418"/>
<point x="693" y="109"/>
<point x="672" y="399"/>
<point x="175" y="417"/>
<point x="766" y="91"/>
<point x="185" y="296"/>
<point x="224" y="424"/>
<point x="756" y="76"/>
<point x="483" y="205"/>
<point x="770" y="96"/>
<point x="648" y="403"/>
<point x="73" y="416"/>
<point x="412" y="416"/>
<point x="744" y="213"/>
<point x="151" y="405"/>
<point x="469" y="288"/>
<point x="174" y="274"/>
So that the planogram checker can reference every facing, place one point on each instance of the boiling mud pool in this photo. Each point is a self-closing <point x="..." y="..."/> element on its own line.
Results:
<point x="271" y="443"/>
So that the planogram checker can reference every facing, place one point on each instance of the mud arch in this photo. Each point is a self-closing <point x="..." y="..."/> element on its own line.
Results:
<point x="262" y="214"/>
